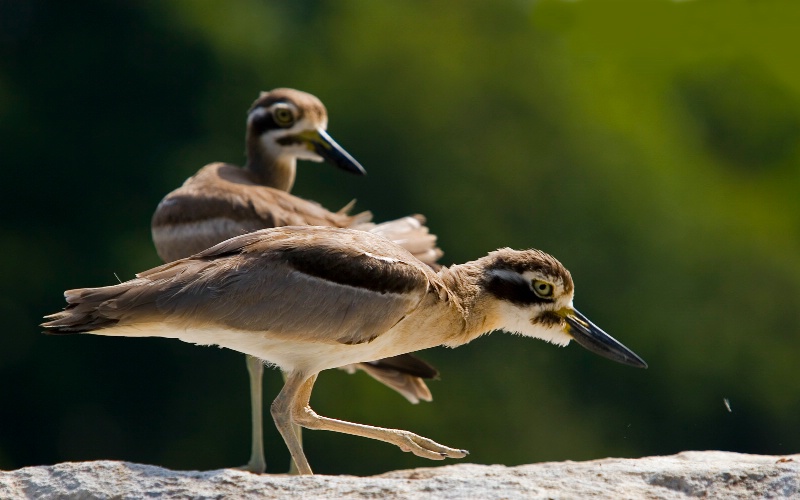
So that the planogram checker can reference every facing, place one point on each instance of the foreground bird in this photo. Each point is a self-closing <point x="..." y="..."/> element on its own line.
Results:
<point x="307" y="299"/>
<point x="222" y="201"/>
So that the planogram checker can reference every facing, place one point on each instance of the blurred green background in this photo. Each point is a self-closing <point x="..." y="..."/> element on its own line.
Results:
<point x="651" y="146"/>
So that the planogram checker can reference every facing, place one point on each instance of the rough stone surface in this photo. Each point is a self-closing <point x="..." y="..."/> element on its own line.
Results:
<point x="711" y="474"/>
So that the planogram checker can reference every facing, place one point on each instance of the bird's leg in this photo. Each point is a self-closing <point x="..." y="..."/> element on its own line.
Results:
<point x="302" y="414"/>
<point x="281" y="410"/>
<point x="298" y="431"/>
<point x="257" y="463"/>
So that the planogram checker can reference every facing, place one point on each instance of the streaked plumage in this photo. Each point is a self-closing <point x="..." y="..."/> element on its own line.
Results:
<point x="308" y="299"/>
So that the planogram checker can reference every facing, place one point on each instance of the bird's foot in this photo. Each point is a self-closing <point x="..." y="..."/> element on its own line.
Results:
<point x="427" y="448"/>
<point x="256" y="467"/>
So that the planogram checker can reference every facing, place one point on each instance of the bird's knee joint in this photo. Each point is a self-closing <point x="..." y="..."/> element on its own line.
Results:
<point x="279" y="413"/>
<point x="306" y="417"/>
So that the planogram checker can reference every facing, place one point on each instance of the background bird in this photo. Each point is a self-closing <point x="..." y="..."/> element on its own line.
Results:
<point x="306" y="299"/>
<point x="223" y="200"/>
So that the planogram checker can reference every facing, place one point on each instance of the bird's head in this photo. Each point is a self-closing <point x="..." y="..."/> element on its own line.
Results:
<point x="533" y="295"/>
<point x="290" y="124"/>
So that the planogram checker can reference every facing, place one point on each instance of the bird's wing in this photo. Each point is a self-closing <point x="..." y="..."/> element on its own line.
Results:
<point x="221" y="202"/>
<point x="322" y="284"/>
<point x="410" y="387"/>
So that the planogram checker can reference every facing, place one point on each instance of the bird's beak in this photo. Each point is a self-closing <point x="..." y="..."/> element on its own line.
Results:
<point x="591" y="337"/>
<point x="323" y="144"/>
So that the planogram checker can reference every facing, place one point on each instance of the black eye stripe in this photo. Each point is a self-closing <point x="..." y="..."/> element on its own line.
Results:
<point x="263" y="122"/>
<point x="513" y="287"/>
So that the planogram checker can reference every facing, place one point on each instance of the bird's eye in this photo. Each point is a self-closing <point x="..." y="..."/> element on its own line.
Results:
<point x="542" y="288"/>
<point x="283" y="116"/>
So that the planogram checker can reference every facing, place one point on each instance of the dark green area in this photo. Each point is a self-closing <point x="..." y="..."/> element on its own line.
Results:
<point x="652" y="147"/>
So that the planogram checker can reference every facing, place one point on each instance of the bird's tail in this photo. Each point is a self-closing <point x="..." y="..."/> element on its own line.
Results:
<point x="359" y="219"/>
<point x="412" y="234"/>
<point x="88" y="309"/>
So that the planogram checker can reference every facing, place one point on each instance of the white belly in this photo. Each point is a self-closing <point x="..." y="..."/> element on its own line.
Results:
<point x="281" y="350"/>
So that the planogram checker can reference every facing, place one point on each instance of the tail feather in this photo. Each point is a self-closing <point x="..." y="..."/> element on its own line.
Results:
<point x="412" y="234"/>
<point x="90" y="309"/>
<point x="75" y="321"/>
<point x="357" y="219"/>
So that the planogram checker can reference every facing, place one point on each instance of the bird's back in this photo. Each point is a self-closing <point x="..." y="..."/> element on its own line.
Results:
<point x="222" y="201"/>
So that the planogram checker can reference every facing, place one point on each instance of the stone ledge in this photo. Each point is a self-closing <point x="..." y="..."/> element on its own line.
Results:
<point x="712" y="474"/>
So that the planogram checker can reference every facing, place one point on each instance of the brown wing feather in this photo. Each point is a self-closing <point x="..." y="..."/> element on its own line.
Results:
<point x="410" y="387"/>
<point x="407" y="364"/>
<point x="265" y="281"/>
<point x="222" y="201"/>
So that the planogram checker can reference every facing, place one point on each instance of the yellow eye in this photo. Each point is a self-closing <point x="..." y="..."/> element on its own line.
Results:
<point x="283" y="116"/>
<point x="542" y="288"/>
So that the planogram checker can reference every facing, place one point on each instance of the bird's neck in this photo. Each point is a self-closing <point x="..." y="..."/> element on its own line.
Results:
<point x="474" y="303"/>
<point x="278" y="173"/>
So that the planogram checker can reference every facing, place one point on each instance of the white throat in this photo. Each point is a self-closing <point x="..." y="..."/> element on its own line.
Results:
<point x="517" y="320"/>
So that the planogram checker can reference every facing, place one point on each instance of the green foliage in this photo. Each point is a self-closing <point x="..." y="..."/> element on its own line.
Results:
<point x="745" y="118"/>
<point x="651" y="146"/>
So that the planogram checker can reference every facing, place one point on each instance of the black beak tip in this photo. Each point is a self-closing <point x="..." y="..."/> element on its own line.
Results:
<point x="637" y="362"/>
<point x="354" y="168"/>
<point x="334" y="154"/>
<point x="343" y="161"/>
<point x="592" y="338"/>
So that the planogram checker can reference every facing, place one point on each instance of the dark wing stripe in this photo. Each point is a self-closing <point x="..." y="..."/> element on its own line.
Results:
<point x="190" y="207"/>
<point x="373" y="274"/>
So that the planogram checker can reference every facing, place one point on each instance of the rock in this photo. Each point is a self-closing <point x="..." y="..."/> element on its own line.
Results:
<point x="712" y="474"/>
